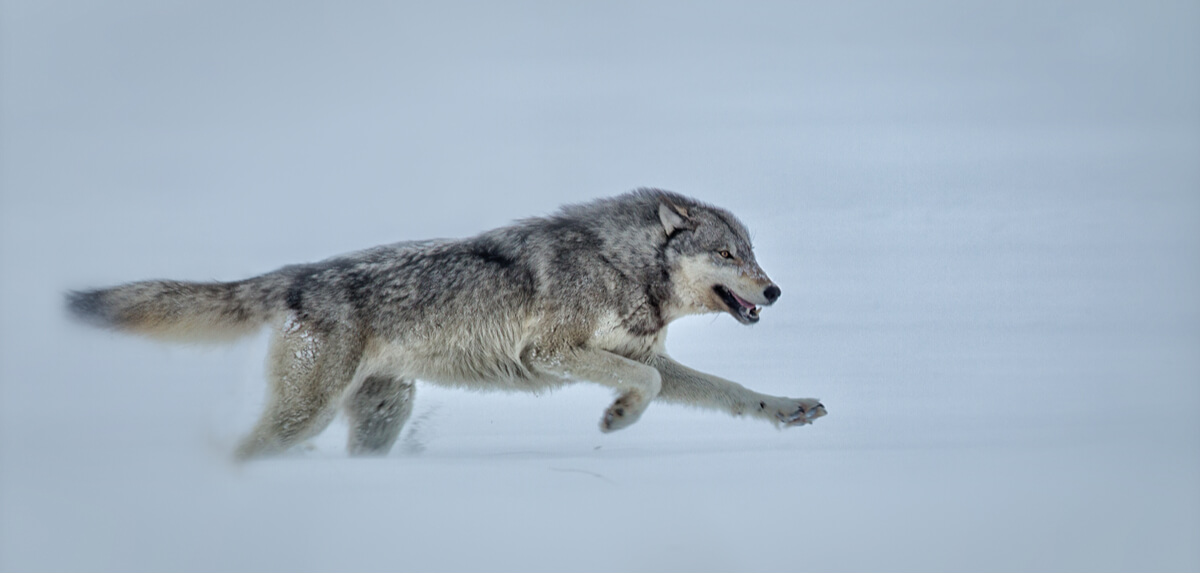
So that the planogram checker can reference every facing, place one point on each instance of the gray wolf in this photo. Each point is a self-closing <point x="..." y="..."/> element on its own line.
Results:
<point x="585" y="294"/>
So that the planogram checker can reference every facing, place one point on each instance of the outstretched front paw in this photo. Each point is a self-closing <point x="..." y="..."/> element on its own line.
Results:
<point x="799" y="412"/>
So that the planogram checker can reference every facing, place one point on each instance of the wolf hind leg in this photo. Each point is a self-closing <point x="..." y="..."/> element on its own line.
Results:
<point x="308" y="371"/>
<point x="377" y="410"/>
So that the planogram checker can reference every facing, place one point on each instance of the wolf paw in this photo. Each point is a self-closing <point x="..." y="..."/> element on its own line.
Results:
<point x="621" y="414"/>
<point x="800" y="412"/>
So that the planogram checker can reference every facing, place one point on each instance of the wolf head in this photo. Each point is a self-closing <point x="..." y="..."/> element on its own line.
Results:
<point x="692" y="256"/>
<point x="711" y="261"/>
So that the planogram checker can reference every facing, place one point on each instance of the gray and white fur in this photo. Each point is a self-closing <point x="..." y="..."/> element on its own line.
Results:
<point x="582" y="295"/>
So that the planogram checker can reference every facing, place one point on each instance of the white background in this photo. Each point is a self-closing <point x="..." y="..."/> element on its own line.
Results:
<point x="985" y="218"/>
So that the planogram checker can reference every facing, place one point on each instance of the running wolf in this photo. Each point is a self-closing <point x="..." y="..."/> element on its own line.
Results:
<point x="582" y="295"/>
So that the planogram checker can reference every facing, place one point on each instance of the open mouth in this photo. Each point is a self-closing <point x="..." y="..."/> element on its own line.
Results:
<point x="741" y="309"/>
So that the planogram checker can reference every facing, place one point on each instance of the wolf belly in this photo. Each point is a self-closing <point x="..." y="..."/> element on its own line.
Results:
<point x="478" y="359"/>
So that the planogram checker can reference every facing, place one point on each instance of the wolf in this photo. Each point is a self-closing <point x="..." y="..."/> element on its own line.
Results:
<point x="585" y="294"/>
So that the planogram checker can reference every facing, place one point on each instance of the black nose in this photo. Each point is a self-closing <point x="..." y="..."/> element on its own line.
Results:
<point x="772" y="293"/>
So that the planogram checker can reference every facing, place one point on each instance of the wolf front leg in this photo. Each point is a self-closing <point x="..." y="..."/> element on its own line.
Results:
<point x="683" y="385"/>
<point x="637" y="383"/>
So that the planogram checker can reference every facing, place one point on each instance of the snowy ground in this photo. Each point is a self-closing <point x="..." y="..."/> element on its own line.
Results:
<point x="985" y="219"/>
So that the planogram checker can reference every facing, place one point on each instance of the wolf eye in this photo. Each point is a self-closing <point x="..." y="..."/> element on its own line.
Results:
<point x="725" y="253"/>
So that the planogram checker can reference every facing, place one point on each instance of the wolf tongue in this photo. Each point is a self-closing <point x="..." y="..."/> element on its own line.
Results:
<point x="742" y="302"/>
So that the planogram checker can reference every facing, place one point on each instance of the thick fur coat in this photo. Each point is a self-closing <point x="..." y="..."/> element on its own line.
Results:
<point x="582" y="295"/>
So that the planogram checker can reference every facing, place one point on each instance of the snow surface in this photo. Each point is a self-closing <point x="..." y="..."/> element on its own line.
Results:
<point x="985" y="219"/>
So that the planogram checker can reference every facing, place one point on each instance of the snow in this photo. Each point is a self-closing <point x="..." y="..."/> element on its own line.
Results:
<point x="984" y="220"/>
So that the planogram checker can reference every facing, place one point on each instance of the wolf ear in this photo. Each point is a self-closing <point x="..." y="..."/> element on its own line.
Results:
<point x="674" y="218"/>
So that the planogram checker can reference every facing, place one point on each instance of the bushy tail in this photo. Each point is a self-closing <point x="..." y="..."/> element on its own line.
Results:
<point x="181" y="310"/>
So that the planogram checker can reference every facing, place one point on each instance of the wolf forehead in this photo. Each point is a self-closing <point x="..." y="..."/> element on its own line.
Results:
<point x="709" y="225"/>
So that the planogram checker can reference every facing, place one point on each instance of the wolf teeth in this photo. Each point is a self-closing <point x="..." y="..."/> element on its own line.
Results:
<point x="754" y="311"/>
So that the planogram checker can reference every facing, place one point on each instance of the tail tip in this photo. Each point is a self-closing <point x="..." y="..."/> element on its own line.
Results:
<point x="88" y="306"/>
